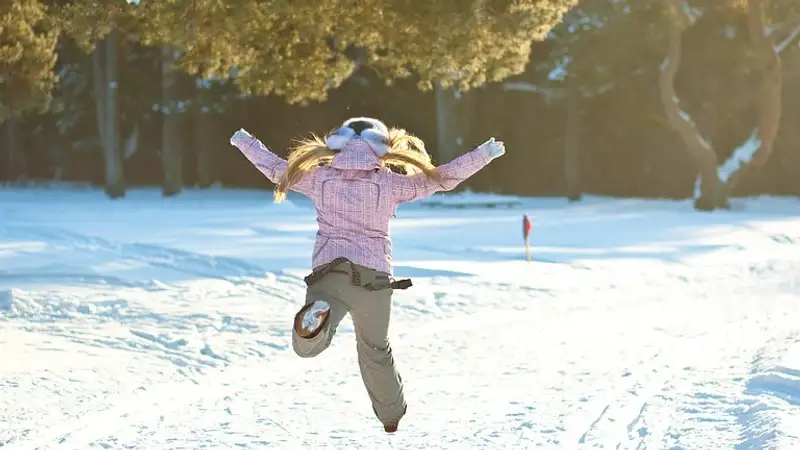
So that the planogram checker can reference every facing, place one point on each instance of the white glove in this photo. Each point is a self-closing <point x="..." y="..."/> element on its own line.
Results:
<point x="240" y="136"/>
<point x="492" y="149"/>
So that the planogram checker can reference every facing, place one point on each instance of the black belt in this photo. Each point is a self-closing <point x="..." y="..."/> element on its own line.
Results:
<point x="355" y="276"/>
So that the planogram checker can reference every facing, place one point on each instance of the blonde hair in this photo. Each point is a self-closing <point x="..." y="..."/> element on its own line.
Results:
<point x="406" y="153"/>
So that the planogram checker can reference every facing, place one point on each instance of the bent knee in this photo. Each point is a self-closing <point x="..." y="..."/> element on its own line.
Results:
<point x="305" y="354"/>
<point x="307" y="348"/>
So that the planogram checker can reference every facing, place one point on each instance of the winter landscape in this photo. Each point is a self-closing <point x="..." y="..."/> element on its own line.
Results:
<point x="156" y="323"/>
<point x="148" y="282"/>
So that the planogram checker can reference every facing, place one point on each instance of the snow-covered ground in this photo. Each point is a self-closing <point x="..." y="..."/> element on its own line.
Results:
<point x="155" y="323"/>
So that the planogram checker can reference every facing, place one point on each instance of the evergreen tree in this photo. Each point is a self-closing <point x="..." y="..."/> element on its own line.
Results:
<point x="300" y="50"/>
<point x="27" y="56"/>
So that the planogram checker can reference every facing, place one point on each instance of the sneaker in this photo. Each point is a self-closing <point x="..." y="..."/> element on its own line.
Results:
<point x="390" y="427"/>
<point x="312" y="318"/>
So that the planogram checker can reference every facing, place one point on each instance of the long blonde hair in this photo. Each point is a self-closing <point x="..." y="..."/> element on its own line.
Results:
<point x="406" y="153"/>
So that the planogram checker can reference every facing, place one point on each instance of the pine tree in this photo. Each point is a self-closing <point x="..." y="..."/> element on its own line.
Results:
<point x="27" y="55"/>
<point x="300" y="50"/>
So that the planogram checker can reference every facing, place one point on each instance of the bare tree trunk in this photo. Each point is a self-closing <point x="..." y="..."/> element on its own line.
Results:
<point x="513" y="171"/>
<point x="99" y="78"/>
<point x="497" y="125"/>
<point x="112" y="115"/>
<point x="572" y="146"/>
<point x="452" y="118"/>
<point x="204" y="127"/>
<point x="769" y="101"/>
<point x="711" y="189"/>
<point x="57" y="155"/>
<point x="171" y="159"/>
<point x="16" y="164"/>
<point x="106" y="106"/>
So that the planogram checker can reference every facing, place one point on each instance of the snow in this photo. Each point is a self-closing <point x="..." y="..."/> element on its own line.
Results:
<point x="525" y="87"/>
<point x="741" y="155"/>
<point x="468" y="199"/>
<point x="692" y="13"/>
<point x="784" y="44"/>
<point x="163" y="323"/>
<point x="700" y="139"/>
<point x="560" y="70"/>
<point x="698" y="186"/>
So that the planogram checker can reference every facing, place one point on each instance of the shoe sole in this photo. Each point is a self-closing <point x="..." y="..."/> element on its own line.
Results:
<point x="311" y="318"/>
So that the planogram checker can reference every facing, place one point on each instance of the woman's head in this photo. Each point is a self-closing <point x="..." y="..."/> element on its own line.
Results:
<point x="393" y="146"/>
<point x="371" y="131"/>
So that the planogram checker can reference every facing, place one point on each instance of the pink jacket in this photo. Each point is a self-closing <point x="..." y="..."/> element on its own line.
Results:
<point x="356" y="196"/>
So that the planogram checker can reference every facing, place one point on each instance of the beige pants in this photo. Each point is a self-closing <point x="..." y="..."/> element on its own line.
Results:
<point x="370" y="312"/>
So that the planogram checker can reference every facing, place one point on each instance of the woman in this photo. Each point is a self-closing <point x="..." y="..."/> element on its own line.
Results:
<point x="349" y="178"/>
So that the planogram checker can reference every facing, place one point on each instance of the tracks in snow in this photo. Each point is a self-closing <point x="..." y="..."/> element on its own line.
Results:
<point x="195" y="264"/>
<point x="636" y="411"/>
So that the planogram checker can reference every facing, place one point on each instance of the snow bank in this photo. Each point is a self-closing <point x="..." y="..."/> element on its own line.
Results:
<point x="783" y="381"/>
<point x="468" y="199"/>
<point x="157" y="323"/>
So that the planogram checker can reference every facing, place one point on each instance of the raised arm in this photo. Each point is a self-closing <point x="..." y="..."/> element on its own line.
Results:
<point x="418" y="186"/>
<point x="268" y="163"/>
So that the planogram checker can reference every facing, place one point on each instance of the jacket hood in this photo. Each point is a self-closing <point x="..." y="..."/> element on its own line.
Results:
<point x="356" y="155"/>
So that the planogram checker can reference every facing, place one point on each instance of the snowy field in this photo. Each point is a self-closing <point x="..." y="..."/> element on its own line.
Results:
<point x="153" y="323"/>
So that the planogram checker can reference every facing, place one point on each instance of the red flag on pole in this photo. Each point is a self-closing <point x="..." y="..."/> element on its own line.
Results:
<point x="526" y="232"/>
<point x="526" y="226"/>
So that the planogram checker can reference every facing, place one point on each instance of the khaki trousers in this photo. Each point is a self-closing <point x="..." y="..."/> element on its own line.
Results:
<point x="370" y="311"/>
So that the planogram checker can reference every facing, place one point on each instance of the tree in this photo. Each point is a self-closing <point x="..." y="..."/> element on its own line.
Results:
<point x="106" y="93"/>
<point x="601" y="45"/>
<point x="212" y="97"/>
<point x="598" y="47"/>
<point x="716" y="183"/>
<point x="300" y="51"/>
<point x="171" y="149"/>
<point x="28" y="38"/>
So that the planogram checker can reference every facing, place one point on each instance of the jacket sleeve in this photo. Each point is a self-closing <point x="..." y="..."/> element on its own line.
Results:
<point x="270" y="164"/>
<point x="408" y="188"/>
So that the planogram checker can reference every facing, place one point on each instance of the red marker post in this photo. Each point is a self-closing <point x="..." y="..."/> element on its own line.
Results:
<point x="526" y="233"/>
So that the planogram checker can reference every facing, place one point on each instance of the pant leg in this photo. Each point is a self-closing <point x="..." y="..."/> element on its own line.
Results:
<point x="310" y="347"/>
<point x="370" y="312"/>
